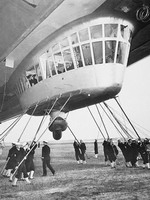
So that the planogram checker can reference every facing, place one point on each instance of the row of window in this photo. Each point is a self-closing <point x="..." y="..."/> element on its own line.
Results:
<point x="91" y="53"/>
<point x="96" y="32"/>
<point x="104" y="43"/>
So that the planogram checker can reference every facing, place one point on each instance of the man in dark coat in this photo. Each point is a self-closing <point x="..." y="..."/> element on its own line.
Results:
<point x="105" y="149"/>
<point x="83" y="151"/>
<point x="134" y="153"/>
<point x="11" y="161"/>
<point x="96" y="148"/>
<point x="112" y="153"/>
<point x="21" y="167"/>
<point x="77" y="151"/>
<point x="143" y="153"/>
<point x="147" y="145"/>
<point x="129" y="152"/>
<point x="123" y="147"/>
<point x="46" y="159"/>
<point x="29" y="161"/>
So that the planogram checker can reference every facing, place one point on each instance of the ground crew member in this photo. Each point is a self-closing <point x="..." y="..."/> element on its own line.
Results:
<point x="96" y="148"/>
<point x="112" y="153"/>
<point x="124" y="149"/>
<point x="77" y="151"/>
<point x="21" y="168"/>
<point x="105" y="149"/>
<point x="29" y="161"/>
<point x="143" y="153"/>
<point x="83" y="151"/>
<point x="46" y="159"/>
<point x="11" y="164"/>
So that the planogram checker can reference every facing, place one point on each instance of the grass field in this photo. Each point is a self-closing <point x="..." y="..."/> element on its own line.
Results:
<point x="93" y="180"/>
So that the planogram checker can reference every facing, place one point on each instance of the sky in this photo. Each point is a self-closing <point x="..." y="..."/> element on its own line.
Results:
<point x="134" y="99"/>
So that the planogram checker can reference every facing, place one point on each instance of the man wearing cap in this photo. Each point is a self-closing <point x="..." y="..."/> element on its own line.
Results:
<point x="29" y="161"/>
<point x="21" y="168"/>
<point x="46" y="159"/>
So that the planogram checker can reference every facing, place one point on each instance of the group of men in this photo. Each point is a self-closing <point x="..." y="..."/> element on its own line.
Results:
<point x="80" y="151"/>
<point x="20" y="164"/>
<point x="110" y="152"/>
<point x="132" y="149"/>
<point x="20" y="159"/>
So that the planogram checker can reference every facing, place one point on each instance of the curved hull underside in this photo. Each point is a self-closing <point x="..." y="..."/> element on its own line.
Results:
<point x="75" y="87"/>
<point x="83" y="87"/>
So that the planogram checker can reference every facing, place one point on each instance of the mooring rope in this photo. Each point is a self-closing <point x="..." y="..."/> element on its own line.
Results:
<point x="127" y="118"/>
<point x="112" y="121"/>
<point x="102" y="121"/>
<point x="96" y="122"/>
<point x="122" y="128"/>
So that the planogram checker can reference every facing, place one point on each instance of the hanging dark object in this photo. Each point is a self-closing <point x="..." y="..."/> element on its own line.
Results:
<point x="57" y="127"/>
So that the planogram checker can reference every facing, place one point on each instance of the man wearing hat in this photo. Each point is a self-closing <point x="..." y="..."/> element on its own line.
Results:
<point x="46" y="159"/>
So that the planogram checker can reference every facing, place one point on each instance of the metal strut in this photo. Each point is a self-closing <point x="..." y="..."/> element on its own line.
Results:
<point x="4" y="166"/>
<point x="73" y="135"/>
<point x="56" y="116"/>
<point x="95" y="122"/>
<point x="44" y="117"/>
<point x="27" y="122"/>
<point x="11" y="126"/>
<point x="127" y="118"/>
<point x="39" y="128"/>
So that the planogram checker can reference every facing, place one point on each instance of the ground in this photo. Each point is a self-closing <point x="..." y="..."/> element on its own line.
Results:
<point x="93" y="180"/>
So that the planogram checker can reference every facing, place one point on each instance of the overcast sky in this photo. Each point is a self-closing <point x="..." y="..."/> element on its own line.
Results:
<point x="134" y="98"/>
